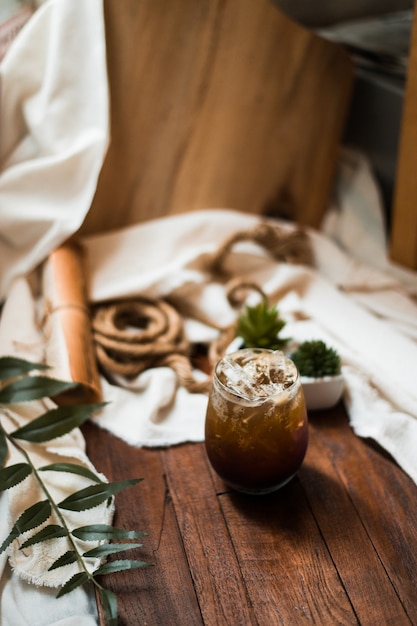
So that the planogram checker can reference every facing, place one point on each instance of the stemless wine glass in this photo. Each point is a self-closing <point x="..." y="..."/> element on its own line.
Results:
<point x="256" y="429"/>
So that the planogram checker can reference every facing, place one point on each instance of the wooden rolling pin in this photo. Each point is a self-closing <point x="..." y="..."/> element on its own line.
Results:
<point x="69" y="344"/>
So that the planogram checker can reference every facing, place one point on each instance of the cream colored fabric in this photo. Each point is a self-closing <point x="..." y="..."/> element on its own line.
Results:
<point x="20" y="336"/>
<point x="53" y="131"/>
<point x="53" y="137"/>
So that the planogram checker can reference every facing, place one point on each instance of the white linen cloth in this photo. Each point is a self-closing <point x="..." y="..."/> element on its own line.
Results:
<point x="53" y="136"/>
<point x="53" y="131"/>
<point x="35" y="604"/>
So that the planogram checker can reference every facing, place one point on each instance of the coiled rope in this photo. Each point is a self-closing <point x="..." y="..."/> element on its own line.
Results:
<point x="134" y="335"/>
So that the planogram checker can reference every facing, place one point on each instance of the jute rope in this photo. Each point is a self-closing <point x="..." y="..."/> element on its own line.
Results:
<point x="134" y="335"/>
<point x="283" y="245"/>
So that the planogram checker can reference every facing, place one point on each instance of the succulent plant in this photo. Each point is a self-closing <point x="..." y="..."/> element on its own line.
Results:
<point x="315" y="359"/>
<point x="260" y="326"/>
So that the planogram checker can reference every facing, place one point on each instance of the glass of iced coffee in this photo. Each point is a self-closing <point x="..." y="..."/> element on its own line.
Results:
<point x="256" y="429"/>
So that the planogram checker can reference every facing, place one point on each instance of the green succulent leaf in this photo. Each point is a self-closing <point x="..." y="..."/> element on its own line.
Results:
<point x="13" y="475"/>
<point x="109" y="602"/>
<point x="316" y="359"/>
<point x="111" y="548"/>
<point x="120" y="566"/>
<point x="53" y="531"/>
<point x="11" y="366"/>
<point x="3" y="448"/>
<point x="33" y="388"/>
<point x="71" y="468"/>
<point x="96" y="494"/>
<point x="98" y="532"/>
<point x="66" y="559"/>
<point x="56" y="422"/>
<point x="75" y="581"/>
<point x="260" y="326"/>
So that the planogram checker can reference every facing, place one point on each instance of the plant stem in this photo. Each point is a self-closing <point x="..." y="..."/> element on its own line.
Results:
<point x="53" y="504"/>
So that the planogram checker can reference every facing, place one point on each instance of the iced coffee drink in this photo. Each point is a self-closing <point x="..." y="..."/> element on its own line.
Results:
<point x="256" y="429"/>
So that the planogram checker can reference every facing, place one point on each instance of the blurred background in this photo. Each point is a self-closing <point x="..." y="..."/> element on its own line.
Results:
<point x="377" y="34"/>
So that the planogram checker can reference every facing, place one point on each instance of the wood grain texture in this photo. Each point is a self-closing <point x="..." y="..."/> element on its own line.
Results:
<point x="403" y="246"/>
<point x="343" y="496"/>
<point x="381" y="495"/>
<point x="211" y="556"/>
<point x="337" y="545"/>
<point x="218" y="104"/>
<point x="163" y="593"/>
<point x="284" y="560"/>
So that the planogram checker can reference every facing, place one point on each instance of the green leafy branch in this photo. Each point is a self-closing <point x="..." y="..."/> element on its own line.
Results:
<point x="18" y="384"/>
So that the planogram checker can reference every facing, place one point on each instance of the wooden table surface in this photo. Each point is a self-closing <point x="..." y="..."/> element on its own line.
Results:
<point x="337" y="545"/>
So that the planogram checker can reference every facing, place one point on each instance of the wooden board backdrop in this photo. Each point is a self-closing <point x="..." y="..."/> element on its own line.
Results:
<point x="404" y="215"/>
<point x="218" y="103"/>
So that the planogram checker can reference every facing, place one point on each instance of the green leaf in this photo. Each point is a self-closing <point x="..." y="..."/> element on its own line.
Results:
<point x="96" y="494"/>
<point x="72" y="468"/>
<point x="75" y="581"/>
<point x="14" y="533"/>
<point x="34" y="516"/>
<point x="66" y="559"/>
<point x="53" y="531"/>
<point x="55" y="423"/>
<point x="120" y="566"/>
<point x="109" y="602"/>
<point x="3" y="448"/>
<point x="111" y="548"/>
<point x="33" y="388"/>
<point x="13" y="475"/>
<point x="11" y="366"/>
<point x="98" y="532"/>
<point x="27" y="385"/>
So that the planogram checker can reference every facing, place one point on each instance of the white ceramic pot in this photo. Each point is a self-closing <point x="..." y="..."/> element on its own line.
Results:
<point x="322" y="393"/>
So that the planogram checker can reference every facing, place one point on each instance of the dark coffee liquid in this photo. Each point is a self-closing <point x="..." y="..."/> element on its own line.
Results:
<point x="256" y="448"/>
